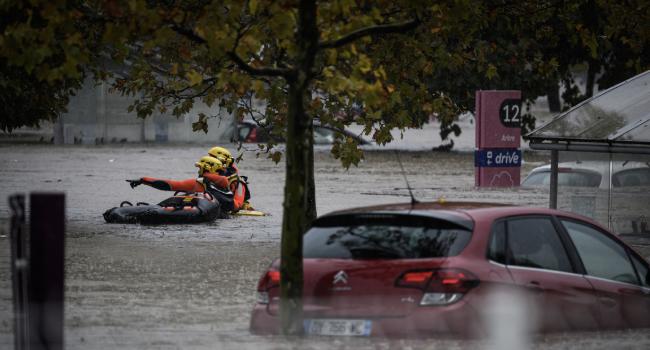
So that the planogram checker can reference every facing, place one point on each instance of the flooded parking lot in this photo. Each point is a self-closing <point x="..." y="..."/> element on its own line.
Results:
<point x="193" y="286"/>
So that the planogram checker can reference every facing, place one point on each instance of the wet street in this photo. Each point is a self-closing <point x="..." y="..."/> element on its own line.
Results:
<point x="193" y="286"/>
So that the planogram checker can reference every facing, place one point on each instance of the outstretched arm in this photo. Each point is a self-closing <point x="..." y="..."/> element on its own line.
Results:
<point x="188" y="185"/>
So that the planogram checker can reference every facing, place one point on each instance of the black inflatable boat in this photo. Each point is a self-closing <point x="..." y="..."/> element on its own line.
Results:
<point x="190" y="208"/>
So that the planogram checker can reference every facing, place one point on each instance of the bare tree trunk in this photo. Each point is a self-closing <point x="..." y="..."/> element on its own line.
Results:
<point x="311" y="181"/>
<point x="592" y="70"/>
<point x="553" y="96"/>
<point x="300" y="175"/>
<point x="294" y="220"/>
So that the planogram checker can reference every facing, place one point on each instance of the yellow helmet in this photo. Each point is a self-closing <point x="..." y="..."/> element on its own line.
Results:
<point x="208" y="164"/>
<point x="222" y="154"/>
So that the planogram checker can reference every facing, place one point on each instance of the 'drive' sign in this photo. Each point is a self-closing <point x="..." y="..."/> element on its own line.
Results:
<point x="497" y="159"/>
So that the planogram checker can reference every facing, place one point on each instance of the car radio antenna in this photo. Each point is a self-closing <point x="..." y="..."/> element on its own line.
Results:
<point x="413" y="200"/>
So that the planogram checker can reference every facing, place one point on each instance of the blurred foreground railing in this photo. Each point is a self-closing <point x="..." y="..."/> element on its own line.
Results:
<point x="37" y="270"/>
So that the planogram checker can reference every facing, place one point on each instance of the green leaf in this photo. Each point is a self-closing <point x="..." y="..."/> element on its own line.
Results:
<point x="491" y="71"/>
<point x="194" y="77"/>
<point x="252" y="6"/>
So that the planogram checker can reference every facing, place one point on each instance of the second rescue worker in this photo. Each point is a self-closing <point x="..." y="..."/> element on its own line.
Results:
<point x="238" y="184"/>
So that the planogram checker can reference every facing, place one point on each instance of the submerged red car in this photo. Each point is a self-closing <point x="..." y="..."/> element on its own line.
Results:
<point x="430" y="269"/>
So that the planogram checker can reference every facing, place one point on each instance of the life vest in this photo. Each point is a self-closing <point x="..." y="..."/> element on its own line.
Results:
<point x="224" y="196"/>
<point x="239" y="187"/>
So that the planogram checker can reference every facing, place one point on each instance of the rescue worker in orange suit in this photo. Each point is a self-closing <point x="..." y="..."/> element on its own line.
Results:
<point x="211" y="180"/>
<point x="238" y="184"/>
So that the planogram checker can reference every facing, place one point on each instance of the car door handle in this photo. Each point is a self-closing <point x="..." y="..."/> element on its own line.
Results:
<point x="608" y="301"/>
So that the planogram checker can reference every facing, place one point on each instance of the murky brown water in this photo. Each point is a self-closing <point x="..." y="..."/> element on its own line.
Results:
<point x="186" y="287"/>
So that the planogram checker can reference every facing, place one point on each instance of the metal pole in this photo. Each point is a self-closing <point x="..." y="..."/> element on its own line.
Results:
<point x="19" y="270"/>
<point x="554" y="169"/>
<point x="609" y="192"/>
<point x="47" y="219"/>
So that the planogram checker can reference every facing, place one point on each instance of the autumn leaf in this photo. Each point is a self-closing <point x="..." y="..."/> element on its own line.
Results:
<point x="491" y="71"/>
<point x="201" y="124"/>
<point x="252" y="6"/>
<point x="276" y="156"/>
<point x="193" y="77"/>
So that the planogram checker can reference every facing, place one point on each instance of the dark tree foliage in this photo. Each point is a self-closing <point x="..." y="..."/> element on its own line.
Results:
<point x="26" y="101"/>
<point x="45" y="48"/>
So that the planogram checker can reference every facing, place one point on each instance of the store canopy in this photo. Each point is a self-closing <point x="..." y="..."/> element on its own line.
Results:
<point x="616" y="120"/>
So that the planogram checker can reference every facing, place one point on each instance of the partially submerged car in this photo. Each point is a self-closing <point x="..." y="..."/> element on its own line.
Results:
<point x="591" y="174"/>
<point x="433" y="268"/>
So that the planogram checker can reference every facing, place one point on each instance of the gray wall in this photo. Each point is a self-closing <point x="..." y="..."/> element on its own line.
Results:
<point x="96" y="115"/>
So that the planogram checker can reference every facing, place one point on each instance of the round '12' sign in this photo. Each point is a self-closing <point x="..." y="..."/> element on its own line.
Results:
<point x="510" y="113"/>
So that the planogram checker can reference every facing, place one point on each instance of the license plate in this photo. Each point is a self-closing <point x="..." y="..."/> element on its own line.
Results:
<point x="338" y="327"/>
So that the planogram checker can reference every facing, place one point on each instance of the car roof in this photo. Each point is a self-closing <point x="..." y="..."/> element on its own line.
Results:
<point x="423" y="206"/>
<point x="589" y="165"/>
<point x="455" y="212"/>
<point x="464" y="214"/>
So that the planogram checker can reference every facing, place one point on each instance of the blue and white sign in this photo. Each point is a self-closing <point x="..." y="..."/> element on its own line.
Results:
<point x="497" y="158"/>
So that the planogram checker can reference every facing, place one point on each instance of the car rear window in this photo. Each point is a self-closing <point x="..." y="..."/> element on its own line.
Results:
<point x="632" y="177"/>
<point x="385" y="239"/>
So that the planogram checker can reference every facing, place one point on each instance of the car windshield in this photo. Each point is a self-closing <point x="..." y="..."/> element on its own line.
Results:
<point x="568" y="178"/>
<point x="383" y="240"/>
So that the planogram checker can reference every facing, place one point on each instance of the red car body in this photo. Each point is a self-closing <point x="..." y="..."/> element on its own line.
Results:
<point x="385" y="295"/>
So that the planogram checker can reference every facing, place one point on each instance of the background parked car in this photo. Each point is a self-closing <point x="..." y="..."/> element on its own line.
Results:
<point x="585" y="189"/>
<point x="433" y="268"/>
<point x="248" y="131"/>
<point x="591" y="174"/>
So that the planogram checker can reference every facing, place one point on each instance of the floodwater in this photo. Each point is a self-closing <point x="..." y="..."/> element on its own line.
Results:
<point x="193" y="286"/>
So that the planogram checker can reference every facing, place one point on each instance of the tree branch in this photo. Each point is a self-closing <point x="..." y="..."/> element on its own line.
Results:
<point x="189" y="34"/>
<point x="378" y="29"/>
<point x="241" y="64"/>
<point x="179" y="94"/>
<point x="262" y="71"/>
<point x="247" y="103"/>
